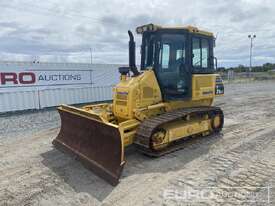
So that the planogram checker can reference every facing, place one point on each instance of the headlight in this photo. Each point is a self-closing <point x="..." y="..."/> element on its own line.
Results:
<point x="147" y="27"/>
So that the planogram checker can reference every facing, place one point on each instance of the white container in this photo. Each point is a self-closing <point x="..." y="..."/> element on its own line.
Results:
<point x="96" y="83"/>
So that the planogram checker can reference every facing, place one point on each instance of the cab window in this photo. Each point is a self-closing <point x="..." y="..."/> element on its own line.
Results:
<point x="180" y="54"/>
<point x="205" y="53"/>
<point x="196" y="52"/>
<point x="200" y="49"/>
<point x="165" y="56"/>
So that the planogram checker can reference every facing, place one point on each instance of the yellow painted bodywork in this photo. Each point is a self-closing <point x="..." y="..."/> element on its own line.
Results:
<point x="138" y="98"/>
<point x="182" y="129"/>
<point x="135" y="93"/>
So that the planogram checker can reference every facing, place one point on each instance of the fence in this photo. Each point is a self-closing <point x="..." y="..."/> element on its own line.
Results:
<point x="39" y="99"/>
<point x="231" y="76"/>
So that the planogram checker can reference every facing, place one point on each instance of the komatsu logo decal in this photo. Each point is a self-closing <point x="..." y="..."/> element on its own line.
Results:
<point x="122" y="93"/>
<point x="207" y="92"/>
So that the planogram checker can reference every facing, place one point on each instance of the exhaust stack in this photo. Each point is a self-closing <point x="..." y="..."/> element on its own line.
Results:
<point x="132" y="54"/>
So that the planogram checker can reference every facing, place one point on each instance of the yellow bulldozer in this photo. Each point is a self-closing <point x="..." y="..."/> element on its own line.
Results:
<point x="154" y="108"/>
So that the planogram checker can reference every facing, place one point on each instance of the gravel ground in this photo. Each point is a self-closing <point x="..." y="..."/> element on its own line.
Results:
<point x="231" y="169"/>
<point x="14" y="124"/>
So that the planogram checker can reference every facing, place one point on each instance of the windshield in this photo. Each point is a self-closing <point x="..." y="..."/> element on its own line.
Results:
<point x="148" y="51"/>
<point x="171" y="50"/>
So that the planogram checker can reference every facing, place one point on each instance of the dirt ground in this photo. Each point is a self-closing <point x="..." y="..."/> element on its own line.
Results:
<point x="235" y="168"/>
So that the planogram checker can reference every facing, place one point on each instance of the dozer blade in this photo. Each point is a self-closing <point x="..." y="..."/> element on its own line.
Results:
<point x="96" y="144"/>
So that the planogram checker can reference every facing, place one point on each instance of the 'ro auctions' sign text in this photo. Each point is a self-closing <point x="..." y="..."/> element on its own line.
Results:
<point x="44" y="78"/>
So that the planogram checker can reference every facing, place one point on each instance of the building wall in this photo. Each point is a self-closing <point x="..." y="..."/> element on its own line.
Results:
<point x="22" y="97"/>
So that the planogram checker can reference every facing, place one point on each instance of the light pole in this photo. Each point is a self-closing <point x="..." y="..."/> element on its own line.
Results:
<point x="91" y="51"/>
<point x="251" y="37"/>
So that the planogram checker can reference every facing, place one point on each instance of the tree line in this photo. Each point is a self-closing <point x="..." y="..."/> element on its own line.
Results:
<point x="241" y="68"/>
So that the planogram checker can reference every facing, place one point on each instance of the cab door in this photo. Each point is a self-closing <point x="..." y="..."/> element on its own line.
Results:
<point x="172" y="71"/>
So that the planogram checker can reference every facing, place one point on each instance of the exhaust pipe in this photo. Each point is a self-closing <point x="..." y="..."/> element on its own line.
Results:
<point x="132" y="54"/>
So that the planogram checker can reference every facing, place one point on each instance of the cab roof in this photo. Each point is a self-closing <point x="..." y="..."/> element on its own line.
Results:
<point x="154" y="27"/>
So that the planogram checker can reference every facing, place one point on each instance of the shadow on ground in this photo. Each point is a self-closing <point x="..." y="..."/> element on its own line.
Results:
<point x="82" y="180"/>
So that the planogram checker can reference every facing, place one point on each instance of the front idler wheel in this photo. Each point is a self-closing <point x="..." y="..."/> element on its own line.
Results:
<point x="217" y="121"/>
<point x="159" y="140"/>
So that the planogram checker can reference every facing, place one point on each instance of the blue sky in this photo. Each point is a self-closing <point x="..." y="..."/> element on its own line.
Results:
<point x="63" y="31"/>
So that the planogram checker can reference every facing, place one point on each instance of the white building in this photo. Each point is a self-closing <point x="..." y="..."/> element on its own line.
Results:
<point x="27" y="85"/>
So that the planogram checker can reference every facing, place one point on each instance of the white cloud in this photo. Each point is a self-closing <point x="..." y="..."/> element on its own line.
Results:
<point x="65" y="30"/>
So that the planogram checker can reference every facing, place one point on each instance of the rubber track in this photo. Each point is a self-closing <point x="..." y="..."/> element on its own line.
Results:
<point x="148" y="127"/>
